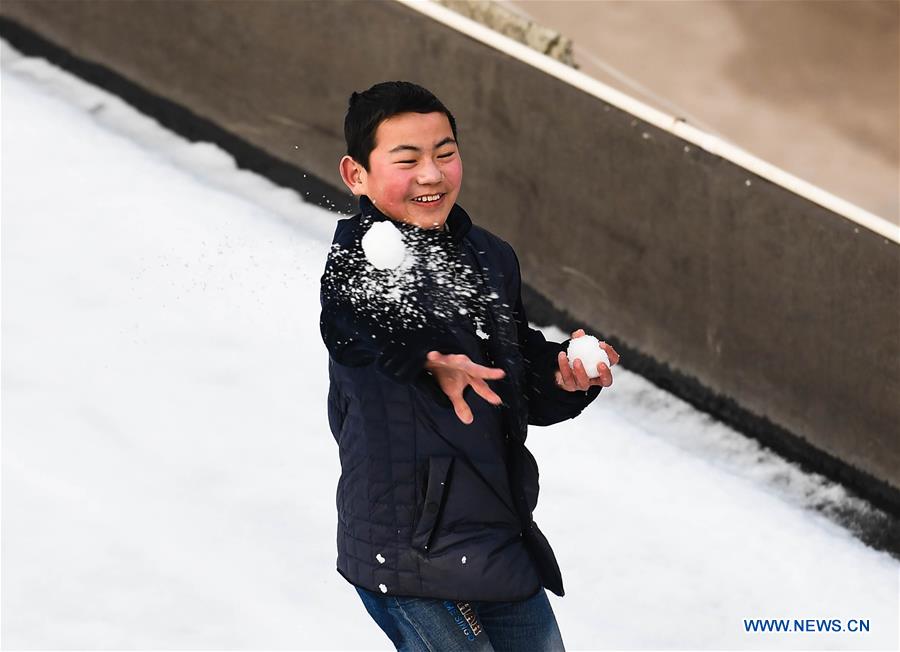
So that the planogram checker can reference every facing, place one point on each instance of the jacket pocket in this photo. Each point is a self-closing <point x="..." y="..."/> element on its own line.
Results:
<point x="435" y="493"/>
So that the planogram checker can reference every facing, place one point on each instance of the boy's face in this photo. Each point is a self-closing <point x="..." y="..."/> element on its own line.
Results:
<point x="415" y="155"/>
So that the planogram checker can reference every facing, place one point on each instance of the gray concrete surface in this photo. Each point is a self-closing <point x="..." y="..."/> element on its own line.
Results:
<point x="810" y="86"/>
<point x="753" y="292"/>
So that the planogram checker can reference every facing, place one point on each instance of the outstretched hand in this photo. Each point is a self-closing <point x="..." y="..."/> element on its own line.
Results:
<point x="454" y="372"/>
<point x="577" y="379"/>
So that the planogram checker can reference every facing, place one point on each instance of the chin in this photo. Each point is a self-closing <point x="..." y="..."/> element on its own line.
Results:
<point x="439" y="223"/>
<point x="428" y="221"/>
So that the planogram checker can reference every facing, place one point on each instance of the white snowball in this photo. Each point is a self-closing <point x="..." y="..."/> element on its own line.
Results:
<point x="587" y="349"/>
<point x="383" y="245"/>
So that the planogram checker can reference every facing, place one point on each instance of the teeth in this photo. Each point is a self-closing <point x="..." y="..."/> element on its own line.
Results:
<point x="427" y="198"/>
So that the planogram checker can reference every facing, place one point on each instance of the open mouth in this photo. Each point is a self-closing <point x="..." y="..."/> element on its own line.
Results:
<point x="429" y="200"/>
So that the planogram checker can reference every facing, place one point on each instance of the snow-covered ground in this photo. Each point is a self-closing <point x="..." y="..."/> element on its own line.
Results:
<point x="168" y="474"/>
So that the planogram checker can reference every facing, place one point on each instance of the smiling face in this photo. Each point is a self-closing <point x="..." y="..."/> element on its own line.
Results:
<point x="415" y="156"/>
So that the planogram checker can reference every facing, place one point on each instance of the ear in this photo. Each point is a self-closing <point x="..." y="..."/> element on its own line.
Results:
<point x="354" y="175"/>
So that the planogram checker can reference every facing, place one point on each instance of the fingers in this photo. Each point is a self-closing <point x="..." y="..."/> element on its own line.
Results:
<point x="577" y="379"/>
<point x="480" y="371"/>
<point x="462" y="409"/>
<point x="566" y="379"/>
<point x="454" y="372"/>
<point x="582" y="381"/>
<point x="569" y="382"/>
<point x="484" y="391"/>
<point x="464" y="363"/>
<point x="605" y="378"/>
<point x="578" y="333"/>
<point x="611" y="352"/>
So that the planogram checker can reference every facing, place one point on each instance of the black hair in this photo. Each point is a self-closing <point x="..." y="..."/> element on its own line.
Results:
<point x="368" y="109"/>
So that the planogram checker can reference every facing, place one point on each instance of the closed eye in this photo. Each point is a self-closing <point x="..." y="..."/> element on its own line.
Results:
<point x="441" y="156"/>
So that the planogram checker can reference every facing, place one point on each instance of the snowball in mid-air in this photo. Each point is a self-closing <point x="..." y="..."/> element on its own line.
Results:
<point x="587" y="349"/>
<point x="383" y="245"/>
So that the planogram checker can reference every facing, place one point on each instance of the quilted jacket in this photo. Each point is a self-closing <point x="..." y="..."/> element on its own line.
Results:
<point x="427" y="505"/>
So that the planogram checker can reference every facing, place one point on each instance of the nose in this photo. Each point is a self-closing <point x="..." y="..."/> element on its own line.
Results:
<point x="430" y="173"/>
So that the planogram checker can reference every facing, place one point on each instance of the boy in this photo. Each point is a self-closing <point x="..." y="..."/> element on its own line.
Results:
<point x="435" y="376"/>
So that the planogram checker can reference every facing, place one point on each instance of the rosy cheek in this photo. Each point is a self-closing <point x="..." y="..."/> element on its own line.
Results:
<point x="453" y="171"/>
<point x="396" y="189"/>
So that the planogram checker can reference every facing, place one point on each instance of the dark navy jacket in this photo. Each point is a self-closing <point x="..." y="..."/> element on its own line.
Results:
<point x="427" y="505"/>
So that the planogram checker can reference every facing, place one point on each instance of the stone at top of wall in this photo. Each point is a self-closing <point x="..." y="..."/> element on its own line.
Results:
<point x="500" y="19"/>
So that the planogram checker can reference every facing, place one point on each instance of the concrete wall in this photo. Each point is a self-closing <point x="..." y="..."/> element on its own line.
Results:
<point x="512" y="25"/>
<point x="812" y="87"/>
<point x="723" y="278"/>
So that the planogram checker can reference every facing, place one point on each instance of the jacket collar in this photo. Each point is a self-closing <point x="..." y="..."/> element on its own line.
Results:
<point x="458" y="221"/>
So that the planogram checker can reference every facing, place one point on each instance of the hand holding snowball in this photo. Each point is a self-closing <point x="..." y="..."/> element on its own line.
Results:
<point x="587" y="349"/>
<point x="572" y="375"/>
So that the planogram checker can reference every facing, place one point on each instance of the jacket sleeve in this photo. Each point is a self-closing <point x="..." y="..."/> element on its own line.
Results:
<point x="547" y="403"/>
<point x="357" y="337"/>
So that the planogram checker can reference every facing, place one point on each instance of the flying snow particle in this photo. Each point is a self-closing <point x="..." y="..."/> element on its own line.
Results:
<point x="480" y="333"/>
<point x="587" y="349"/>
<point x="383" y="245"/>
<point x="464" y="559"/>
<point x="379" y="558"/>
<point x="383" y="588"/>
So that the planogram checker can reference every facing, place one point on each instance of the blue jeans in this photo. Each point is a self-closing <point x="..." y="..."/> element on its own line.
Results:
<point x="434" y="625"/>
